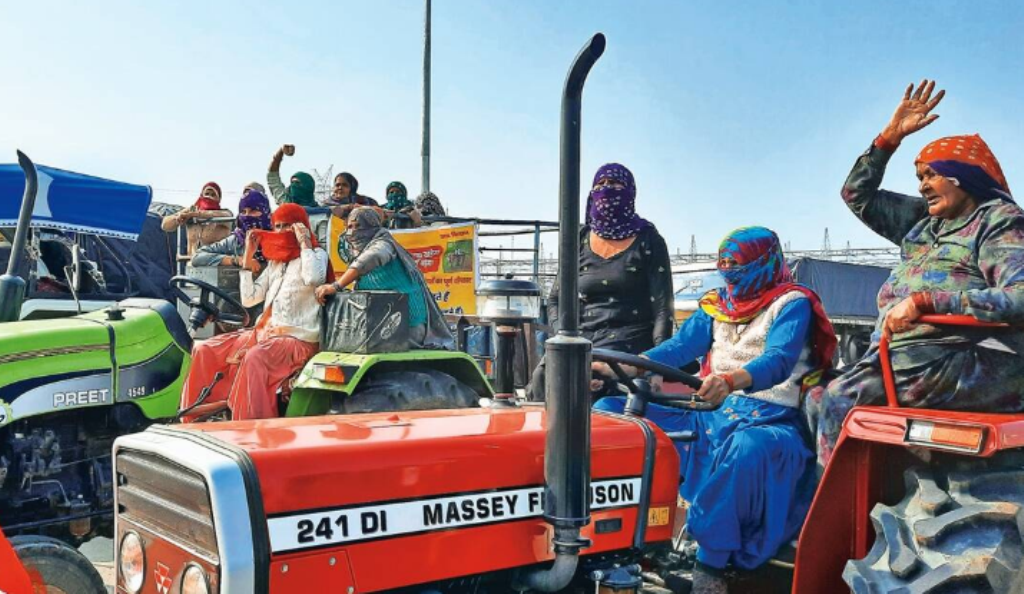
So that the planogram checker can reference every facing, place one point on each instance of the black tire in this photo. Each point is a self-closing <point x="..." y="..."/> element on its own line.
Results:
<point x="62" y="567"/>
<point x="964" y="537"/>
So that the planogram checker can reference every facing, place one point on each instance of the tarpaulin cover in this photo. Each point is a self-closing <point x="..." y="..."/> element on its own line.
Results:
<point x="74" y="202"/>
<point x="846" y="290"/>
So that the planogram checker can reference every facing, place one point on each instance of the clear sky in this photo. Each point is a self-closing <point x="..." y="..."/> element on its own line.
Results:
<point x="728" y="113"/>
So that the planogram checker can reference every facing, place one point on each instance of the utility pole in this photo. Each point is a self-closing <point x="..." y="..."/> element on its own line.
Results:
<point x="426" y="101"/>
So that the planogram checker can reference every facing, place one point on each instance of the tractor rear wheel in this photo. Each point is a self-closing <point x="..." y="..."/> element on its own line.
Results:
<point x="62" y="568"/>
<point x="961" y="532"/>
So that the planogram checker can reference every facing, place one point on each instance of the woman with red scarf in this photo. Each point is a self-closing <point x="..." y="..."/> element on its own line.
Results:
<point x="207" y="206"/>
<point x="763" y="339"/>
<point x="255" y="362"/>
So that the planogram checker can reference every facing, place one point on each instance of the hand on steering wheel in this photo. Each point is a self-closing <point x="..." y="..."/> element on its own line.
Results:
<point x="616" y="362"/>
<point x="203" y="304"/>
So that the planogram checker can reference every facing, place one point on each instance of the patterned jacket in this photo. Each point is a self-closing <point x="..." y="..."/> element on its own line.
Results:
<point x="971" y="265"/>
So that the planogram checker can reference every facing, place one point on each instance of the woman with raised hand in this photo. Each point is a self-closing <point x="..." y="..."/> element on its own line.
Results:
<point x="962" y="246"/>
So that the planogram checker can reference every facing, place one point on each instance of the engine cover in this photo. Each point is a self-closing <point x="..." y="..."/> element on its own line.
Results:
<point x="448" y="493"/>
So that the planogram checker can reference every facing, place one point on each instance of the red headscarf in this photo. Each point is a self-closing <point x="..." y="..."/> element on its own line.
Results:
<point x="283" y="246"/>
<point x="967" y="159"/>
<point x="204" y="203"/>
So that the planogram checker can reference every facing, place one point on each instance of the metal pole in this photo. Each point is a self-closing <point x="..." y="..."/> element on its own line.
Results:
<point x="569" y="187"/>
<point x="12" y="285"/>
<point x="537" y="254"/>
<point x="426" y="102"/>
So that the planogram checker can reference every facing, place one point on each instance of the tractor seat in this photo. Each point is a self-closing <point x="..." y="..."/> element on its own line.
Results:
<point x="405" y="390"/>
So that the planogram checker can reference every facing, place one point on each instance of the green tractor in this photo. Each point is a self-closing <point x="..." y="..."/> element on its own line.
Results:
<point x="70" y="385"/>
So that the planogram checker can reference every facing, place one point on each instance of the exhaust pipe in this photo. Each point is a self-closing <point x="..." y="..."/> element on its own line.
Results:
<point x="567" y="389"/>
<point x="12" y="284"/>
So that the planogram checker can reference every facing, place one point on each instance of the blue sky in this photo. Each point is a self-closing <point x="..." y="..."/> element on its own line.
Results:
<point x="728" y="113"/>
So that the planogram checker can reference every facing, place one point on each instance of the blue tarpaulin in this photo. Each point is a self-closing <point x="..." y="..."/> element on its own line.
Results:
<point x="74" y="202"/>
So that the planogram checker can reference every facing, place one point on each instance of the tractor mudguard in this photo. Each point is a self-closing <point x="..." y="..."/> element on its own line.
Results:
<point x="328" y="376"/>
<point x="96" y="359"/>
<point x="867" y="468"/>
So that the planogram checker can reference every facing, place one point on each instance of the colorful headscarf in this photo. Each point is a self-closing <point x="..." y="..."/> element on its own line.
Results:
<point x="301" y="189"/>
<point x="611" y="212"/>
<point x="243" y="224"/>
<point x="759" y="277"/>
<point x="397" y="196"/>
<point x="254" y="186"/>
<point x="969" y="161"/>
<point x="430" y="205"/>
<point x="204" y="203"/>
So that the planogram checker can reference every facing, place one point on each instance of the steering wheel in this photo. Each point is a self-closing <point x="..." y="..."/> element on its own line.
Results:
<point x="203" y="308"/>
<point x="640" y="390"/>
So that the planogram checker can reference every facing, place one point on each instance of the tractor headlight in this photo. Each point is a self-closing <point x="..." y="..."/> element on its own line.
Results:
<point x="194" y="581"/>
<point x="132" y="560"/>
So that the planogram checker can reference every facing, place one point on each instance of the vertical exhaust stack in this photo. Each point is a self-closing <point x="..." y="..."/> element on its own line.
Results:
<point x="567" y="450"/>
<point x="12" y="285"/>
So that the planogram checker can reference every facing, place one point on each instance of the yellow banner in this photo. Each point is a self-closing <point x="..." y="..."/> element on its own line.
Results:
<point x="445" y="255"/>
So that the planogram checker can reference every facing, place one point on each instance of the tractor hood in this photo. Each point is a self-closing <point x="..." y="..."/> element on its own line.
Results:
<point x="403" y="480"/>
<point x="96" y="359"/>
<point x="40" y="338"/>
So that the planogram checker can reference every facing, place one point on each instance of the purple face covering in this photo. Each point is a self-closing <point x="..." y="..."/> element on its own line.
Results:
<point x="611" y="212"/>
<point x="253" y="199"/>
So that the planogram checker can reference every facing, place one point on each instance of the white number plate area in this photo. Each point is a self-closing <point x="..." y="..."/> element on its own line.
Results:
<point x="353" y="524"/>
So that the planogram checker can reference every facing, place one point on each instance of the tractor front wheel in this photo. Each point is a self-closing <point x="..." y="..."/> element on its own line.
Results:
<point x="956" y="532"/>
<point x="61" y="567"/>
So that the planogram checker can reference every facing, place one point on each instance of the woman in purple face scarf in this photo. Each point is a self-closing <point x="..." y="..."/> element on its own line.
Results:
<point x="626" y="298"/>
<point x="253" y="213"/>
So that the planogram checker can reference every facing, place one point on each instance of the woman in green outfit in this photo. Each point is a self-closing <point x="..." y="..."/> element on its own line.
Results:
<point x="376" y="262"/>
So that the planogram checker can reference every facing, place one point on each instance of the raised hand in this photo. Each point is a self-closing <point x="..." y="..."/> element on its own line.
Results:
<point x="302" y="235"/>
<point x="249" y="261"/>
<point x="913" y="112"/>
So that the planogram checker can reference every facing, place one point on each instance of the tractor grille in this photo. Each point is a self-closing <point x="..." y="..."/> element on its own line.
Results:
<point x="168" y="499"/>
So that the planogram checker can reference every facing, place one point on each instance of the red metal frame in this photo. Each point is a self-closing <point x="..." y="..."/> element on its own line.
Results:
<point x="888" y="378"/>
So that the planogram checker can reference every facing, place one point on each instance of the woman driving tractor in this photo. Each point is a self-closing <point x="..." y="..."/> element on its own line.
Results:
<point x="962" y="245"/>
<point x="763" y="338"/>
<point x="255" y="362"/>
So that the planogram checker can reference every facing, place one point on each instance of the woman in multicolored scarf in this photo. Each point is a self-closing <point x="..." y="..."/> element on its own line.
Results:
<point x="763" y="340"/>
<point x="376" y="262"/>
<point x="962" y="242"/>
<point x="626" y="299"/>
<point x="253" y="213"/>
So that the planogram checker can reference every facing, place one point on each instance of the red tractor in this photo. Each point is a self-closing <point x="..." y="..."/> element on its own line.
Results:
<point x="520" y="496"/>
